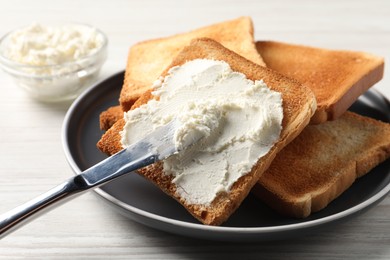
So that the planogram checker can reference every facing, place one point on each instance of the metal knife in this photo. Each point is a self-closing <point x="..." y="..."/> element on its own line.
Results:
<point x="154" y="147"/>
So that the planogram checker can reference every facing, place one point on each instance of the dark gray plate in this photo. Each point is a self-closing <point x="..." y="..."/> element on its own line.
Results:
<point x="253" y="221"/>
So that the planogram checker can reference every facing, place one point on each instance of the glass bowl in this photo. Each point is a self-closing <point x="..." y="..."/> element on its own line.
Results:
<point x="56" y="82"/>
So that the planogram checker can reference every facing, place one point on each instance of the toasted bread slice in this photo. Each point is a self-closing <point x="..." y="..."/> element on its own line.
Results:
<point x="337" y="78"/>
<point x="322" y="162"/>
<point x="110" y="116"/>
<point x="147" y="60"/>
<point x="298" y="106"/>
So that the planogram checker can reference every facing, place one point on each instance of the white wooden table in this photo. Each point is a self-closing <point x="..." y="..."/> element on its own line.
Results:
<point x="32" y="159"/>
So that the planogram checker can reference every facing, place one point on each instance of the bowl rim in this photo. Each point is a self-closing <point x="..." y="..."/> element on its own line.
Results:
<point x="15" y="67"/>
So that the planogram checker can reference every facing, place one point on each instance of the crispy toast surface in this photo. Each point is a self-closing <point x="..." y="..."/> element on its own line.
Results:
<point x="298" y="106"/>
<point x="337" y="78"/>
<point x="147" y="60"/>
<point x="108" y="117"/>
<point x="322" y="162"/>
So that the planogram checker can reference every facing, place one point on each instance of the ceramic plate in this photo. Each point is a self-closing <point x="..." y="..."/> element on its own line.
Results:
<point x="141" y="201"/>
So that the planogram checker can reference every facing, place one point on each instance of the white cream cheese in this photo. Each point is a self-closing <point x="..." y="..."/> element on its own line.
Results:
<point x="239" y="120"/>
<point x="196" y="120"/>
<point x="40" y="45"/>
<point x="54" y="63"/>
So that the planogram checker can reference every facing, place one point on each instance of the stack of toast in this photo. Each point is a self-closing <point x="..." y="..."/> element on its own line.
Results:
<point x="319" y="152"/>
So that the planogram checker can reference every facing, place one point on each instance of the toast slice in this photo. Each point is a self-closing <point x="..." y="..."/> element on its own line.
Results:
<point x="110" y="116"/>
<point x="337" y="78"/>
<point x="322" y="162"/>
<point x="148" y="59"/>
<point x="298" y="106"/>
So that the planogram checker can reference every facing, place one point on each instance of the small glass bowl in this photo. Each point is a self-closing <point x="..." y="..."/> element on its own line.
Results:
<point x="65" y="81"/>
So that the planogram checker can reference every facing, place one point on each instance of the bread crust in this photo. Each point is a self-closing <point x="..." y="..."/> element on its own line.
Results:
<point x="109" y="117"/>
<point x="337" y="78"/>
<point x="147" y="59"/>
<point x="298" y="107"/>
<point x="322" y="162"/>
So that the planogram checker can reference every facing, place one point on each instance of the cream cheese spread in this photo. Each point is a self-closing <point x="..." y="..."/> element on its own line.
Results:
<point x="54" y="63"/>
<point x="40" y="45"/>
<point x="239" y="120"/>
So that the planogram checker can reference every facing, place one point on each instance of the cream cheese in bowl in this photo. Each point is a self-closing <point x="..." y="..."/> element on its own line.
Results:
<point x="53" y="63"/>
<point x="239" y="120"/>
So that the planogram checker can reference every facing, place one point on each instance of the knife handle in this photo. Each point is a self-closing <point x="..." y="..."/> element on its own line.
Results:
<point x="111" y="168"/>
<point x="20" y="215"/>
<point x="154" y="147"/>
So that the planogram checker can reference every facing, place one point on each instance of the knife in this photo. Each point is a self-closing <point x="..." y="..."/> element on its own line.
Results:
<point x="156" y="146"/>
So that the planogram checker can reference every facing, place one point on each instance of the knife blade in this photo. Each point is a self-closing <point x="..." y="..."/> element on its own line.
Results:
<point x="154" y="147"/>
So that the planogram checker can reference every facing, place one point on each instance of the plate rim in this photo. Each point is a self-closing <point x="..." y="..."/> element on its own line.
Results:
<point x="198" y="226"/>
